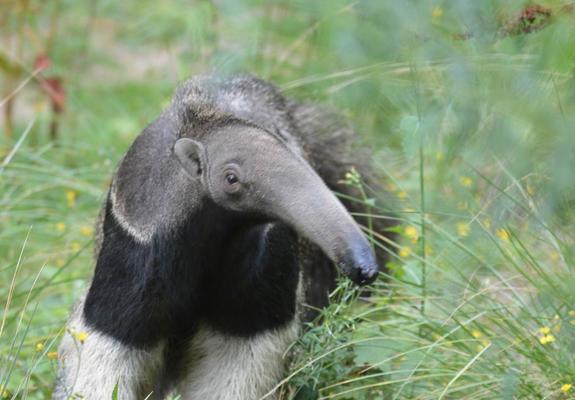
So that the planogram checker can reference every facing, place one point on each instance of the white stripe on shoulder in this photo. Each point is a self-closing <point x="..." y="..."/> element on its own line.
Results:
<point x="140" y="236"/>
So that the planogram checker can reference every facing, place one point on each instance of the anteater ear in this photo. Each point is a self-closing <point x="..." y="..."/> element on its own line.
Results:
<point x="191" y="156"/>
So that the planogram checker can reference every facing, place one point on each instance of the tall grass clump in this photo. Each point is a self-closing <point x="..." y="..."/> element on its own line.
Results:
<point x="496" y="321"/>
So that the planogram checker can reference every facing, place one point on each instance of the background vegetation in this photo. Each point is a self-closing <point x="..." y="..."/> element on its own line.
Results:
<point x="468" y="107"/>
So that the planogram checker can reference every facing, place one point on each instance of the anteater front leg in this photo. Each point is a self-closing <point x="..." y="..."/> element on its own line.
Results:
<point x="133" y="303"/>
<point x="250" y="320"/>
<point x="93" y="363"/>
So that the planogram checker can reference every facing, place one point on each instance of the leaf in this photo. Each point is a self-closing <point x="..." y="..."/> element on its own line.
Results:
<point x="115" y="392"/>
<point x="306" y="392"/>
<point x="42" y="62"/>
<point x="509" y="385"/>
<point x="9" y="67"/>
<point x="370" y="202"/>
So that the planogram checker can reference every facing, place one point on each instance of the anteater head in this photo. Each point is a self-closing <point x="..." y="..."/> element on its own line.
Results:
<point x="250" y="171"/>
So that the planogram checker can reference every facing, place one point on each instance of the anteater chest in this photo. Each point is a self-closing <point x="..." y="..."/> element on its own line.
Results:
<point x="257" y="288"/>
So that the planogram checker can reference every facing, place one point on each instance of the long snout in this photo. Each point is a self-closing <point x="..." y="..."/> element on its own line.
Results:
<point x="324" y="221"/>
<point x="304" y="202"/>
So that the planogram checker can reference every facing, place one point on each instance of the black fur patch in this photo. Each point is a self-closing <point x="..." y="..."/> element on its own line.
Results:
<point x="214" y="269"/>
<point x="255" y="289"/>
<point x="139" y="291"/>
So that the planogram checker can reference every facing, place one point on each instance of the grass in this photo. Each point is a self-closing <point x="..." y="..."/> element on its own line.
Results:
<point x="470" y="121"/>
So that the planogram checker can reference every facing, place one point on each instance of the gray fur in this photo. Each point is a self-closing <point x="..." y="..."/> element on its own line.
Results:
<point x="229" y="368"/>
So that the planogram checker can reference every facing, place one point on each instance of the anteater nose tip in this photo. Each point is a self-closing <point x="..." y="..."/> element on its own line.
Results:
<point x="360" y="266"/>
<point x="368" y="275"/>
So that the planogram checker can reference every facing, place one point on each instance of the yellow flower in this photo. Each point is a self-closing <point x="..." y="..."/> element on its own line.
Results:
<point x="547" y="339"/>
<point x="544" y="330"/>
<point x="86" y="231"/>
<point x="476" y="334"/>
<point x="40" y="106"/>
<point x="463" y="229"/>
<point x="76" y="247"/>
<point x="565" y="388"/>
<point x="60" y="227"/>
<point x="71" y="198"/>
<point x="81" y="336"/>
<point x="412" y="233"/>
<point x="5" y="393"/>
<point x="404" y="252"/>
<point x="437" y="12"/>
<point x="39" y="347"/>
<point x="53" y="355"/>
<point x="502" y="234"/>
<point x="465" y="181"/>
<point x="530" y="190"/>
<point x="402" y="194"/>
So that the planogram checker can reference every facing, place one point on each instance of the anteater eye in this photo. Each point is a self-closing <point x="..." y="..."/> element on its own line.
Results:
<point x="232" y="178"/>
